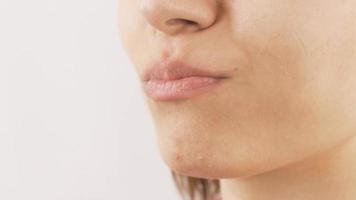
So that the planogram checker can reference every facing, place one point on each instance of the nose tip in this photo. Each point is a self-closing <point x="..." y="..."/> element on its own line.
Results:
<point x="175" y="16"/>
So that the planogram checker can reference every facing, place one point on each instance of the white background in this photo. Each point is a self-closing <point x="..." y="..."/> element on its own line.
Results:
<point x="73" y="122"/>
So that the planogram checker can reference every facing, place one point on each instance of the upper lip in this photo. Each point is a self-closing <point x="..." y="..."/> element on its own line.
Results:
<point x="178" y="69"/>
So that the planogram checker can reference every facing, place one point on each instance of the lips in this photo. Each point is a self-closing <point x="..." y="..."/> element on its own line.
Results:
<point x="171" y="70"/>
<point x="173" y="80"/>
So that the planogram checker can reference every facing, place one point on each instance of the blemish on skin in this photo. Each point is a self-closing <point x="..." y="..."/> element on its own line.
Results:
<point x="165" y="53"/>
<point x="177" y="157"/>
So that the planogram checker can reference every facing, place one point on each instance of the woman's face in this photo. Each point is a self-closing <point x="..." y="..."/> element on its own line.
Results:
<point x="291" y="91"/>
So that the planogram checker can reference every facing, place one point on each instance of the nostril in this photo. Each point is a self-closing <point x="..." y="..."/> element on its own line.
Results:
<point x="173" y="17"/>
<point x="180" y="21"/>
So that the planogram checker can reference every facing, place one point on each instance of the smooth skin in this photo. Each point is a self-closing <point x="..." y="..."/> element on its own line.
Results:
<point x="283" y="125"/>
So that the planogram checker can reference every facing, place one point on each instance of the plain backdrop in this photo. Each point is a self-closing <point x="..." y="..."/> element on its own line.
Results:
<point x="73" y="121"/>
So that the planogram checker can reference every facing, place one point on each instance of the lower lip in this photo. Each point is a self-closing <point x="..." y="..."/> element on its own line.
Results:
<point x="166" y="90"/>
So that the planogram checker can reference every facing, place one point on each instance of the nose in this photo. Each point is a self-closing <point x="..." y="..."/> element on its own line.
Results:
<point x="175" y="16"/>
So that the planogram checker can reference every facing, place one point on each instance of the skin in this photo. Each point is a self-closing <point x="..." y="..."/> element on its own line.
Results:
<point x="283" y="125"/>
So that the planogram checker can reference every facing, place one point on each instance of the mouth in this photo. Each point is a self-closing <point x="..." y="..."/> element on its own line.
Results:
<point x="175" y="80"/>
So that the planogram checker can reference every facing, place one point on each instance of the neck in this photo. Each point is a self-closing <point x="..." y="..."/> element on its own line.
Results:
<point x="329" y="175"/>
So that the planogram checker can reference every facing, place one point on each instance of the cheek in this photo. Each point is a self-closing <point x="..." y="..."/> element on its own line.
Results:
<point x="328" y="43"/>
<point x="299" y="98"/>
<point x="299" y="54"/>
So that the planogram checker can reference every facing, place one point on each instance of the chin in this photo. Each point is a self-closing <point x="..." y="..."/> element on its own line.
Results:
<point x="210" y="158"/>
<point x="206" y="161"/>
<point x="185" y="164"/>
